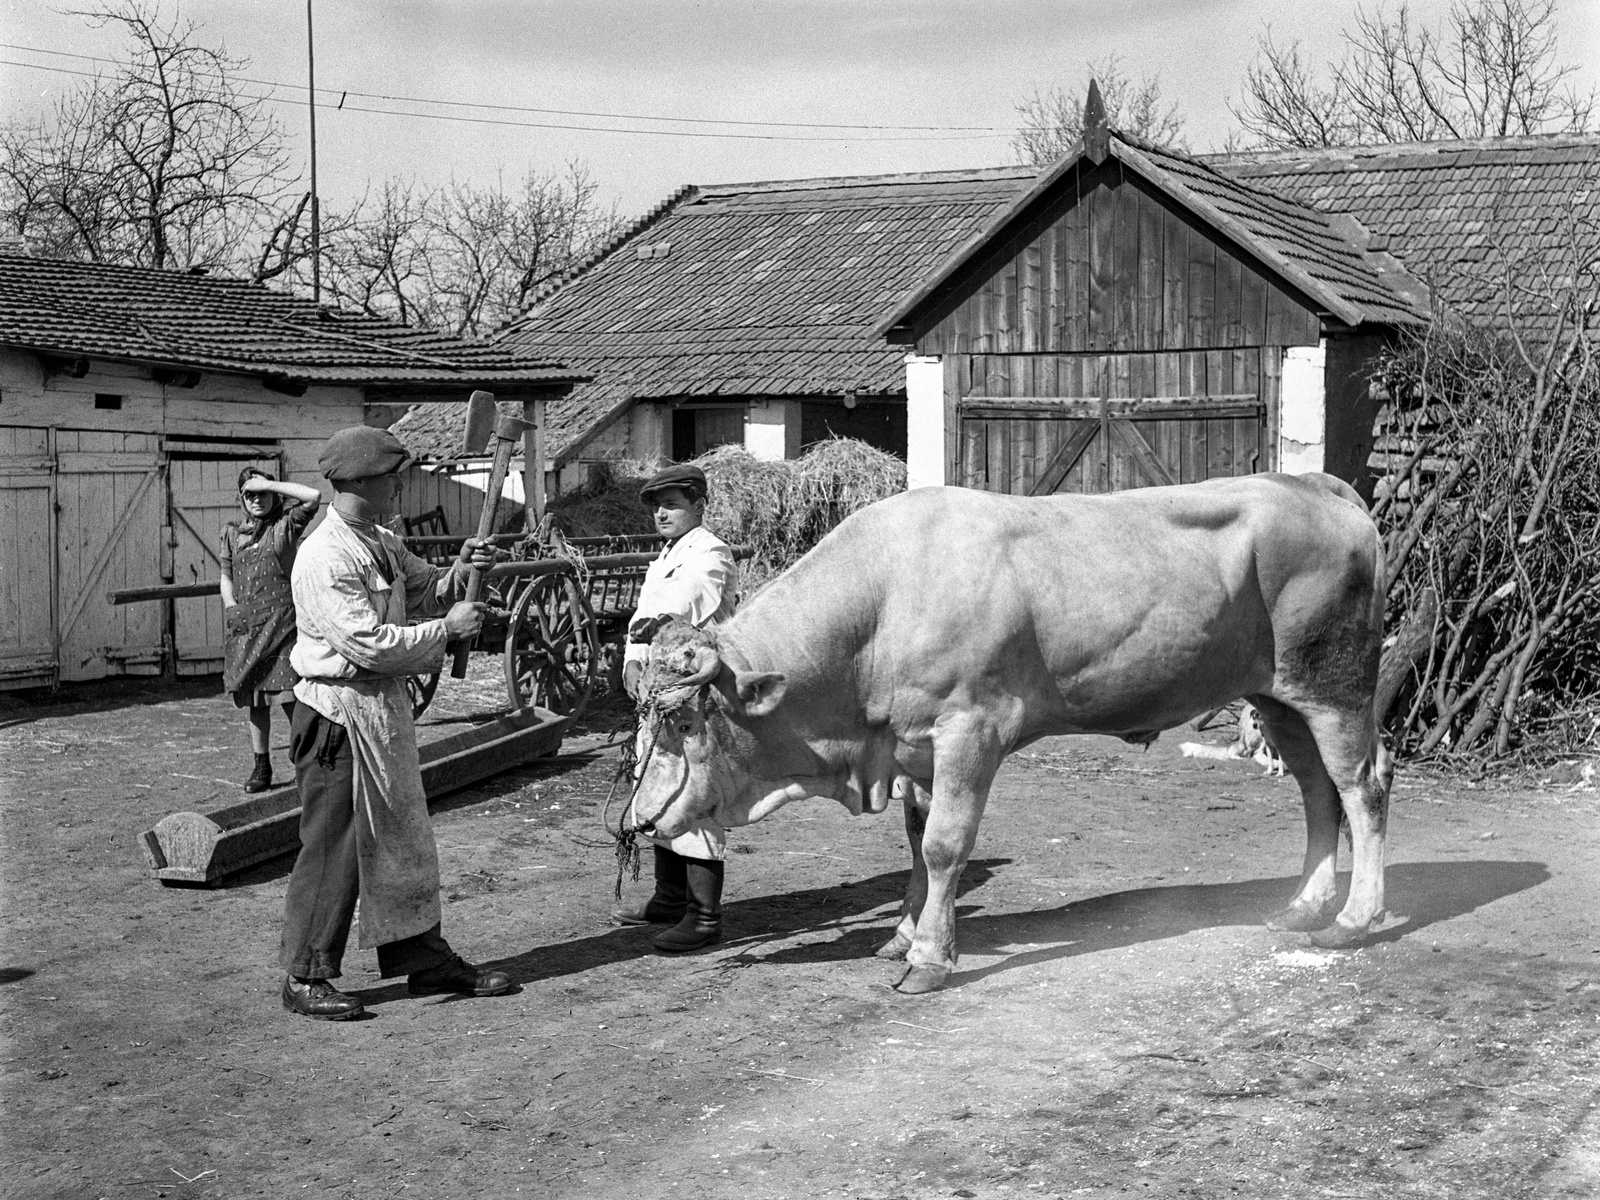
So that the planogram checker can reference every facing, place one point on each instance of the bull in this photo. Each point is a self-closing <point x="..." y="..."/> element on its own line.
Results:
<point x="931" y="634"/>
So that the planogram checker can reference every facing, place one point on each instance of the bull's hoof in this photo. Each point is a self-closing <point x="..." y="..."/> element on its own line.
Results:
<point x="919" y="981"/>
<point x="895" y="948"/>
<point x="1339" y="936"/>
<point x="1299" y="920"/>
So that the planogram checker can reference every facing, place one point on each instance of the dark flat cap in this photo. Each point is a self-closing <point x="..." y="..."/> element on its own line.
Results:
<point x="689" y="479"/>
<point x="361" y="452"/>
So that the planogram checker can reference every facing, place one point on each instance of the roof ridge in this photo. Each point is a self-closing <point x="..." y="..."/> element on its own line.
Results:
<point x="954" y="175"/>
<point x="1381" y="150"/>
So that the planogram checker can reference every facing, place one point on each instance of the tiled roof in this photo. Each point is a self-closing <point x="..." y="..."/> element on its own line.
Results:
<point x="1325" y="255"/>
<point x="762" y="289"/>
<point x="1448" y="209"/>
<point x="187" y="321"/>
<point x="803" y="270"/>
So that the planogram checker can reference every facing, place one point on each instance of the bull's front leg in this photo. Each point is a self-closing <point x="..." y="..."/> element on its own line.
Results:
<point x="966" y="756"/>
<point x="916" y="800"/>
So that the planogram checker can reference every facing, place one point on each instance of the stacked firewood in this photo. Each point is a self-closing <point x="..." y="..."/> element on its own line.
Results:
<point x="1488" y="456"/>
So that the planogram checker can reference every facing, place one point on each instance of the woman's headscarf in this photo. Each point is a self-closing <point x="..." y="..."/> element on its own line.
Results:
<point x="250" y="526"/>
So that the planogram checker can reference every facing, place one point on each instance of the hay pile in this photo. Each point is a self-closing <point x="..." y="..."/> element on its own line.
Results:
<point x="779" y="509"/>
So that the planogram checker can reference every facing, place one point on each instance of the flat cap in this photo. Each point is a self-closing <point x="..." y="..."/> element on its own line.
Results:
<point x="361" y="452"/>
<point x="689" y="479"/>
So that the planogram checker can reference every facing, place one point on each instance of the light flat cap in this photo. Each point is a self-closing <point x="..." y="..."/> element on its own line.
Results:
<point x="361" y="452"/>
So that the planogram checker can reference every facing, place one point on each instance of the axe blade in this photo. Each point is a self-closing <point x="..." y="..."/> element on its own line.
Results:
<point x="481" y="417"/>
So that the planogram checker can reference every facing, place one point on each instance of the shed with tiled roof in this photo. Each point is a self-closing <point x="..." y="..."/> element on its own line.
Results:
<point x="743" y="312"/>
<point x="130" y="399"/>
<point x="1138" y="317"/>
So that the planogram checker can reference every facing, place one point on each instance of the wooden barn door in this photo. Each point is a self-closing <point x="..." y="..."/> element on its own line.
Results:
<point x="205" y="497"/>
<point x="27" y="558"/>
<point x="1182" y="423"/>
<point x="110" y="512"/>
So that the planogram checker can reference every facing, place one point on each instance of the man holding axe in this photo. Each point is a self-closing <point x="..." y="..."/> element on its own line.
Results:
<point x="364" y="826"/>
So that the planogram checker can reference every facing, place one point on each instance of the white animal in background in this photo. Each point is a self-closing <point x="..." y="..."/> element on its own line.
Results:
<point x="1252" y="742"/>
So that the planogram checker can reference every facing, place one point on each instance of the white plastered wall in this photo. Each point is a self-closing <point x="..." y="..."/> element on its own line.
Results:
<point x="772" y="429"/>
<point x="1303" y="424"/>
<point x="924" y="421"/>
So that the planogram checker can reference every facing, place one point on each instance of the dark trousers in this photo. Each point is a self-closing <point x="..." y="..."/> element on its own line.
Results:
<point x="326" y="879"/>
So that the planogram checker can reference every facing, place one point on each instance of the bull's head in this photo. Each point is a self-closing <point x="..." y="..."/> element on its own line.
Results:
<point x="708" y="744"/>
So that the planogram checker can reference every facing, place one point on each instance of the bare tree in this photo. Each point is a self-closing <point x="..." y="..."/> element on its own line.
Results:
<point x="461" y="258"/>
<point x="1491" y="71"/>
<point x="169" y="161"/>
<point x="1052" y="117"/>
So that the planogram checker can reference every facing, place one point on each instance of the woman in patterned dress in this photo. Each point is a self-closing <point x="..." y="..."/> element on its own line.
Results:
<point x="257" y="606"/>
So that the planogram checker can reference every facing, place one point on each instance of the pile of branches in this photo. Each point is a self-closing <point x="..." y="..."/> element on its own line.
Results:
<point x="1489" y="505"/>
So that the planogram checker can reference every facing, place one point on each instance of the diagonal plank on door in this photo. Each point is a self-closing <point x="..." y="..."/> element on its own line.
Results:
<point x="1063" y="460"/>
<point x="106" y="552"/>
<point x="1131" y="440"/>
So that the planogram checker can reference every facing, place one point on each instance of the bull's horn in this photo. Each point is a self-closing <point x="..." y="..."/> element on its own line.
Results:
<point x="704" y="667"/>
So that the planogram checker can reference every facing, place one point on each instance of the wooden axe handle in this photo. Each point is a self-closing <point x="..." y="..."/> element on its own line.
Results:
<point x="503" y="449"/>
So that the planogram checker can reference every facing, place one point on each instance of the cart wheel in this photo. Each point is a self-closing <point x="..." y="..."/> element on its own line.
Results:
<point x="421" y="689"/>
<point x="551" y="652"/>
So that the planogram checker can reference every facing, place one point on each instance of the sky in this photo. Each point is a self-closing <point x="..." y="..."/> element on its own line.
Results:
<point x="944" y="74"/>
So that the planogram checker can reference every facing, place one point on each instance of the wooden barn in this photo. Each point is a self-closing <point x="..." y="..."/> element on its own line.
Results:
<point x="750" y="313"/>
<point x="129" y="401"/>
<point x="1138" y="317"/>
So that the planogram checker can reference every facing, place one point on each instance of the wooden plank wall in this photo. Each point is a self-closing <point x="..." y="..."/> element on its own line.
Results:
<point x="27" y="577"/>
<point x="1007" y="453"/>
<point x="1110" y="265"/>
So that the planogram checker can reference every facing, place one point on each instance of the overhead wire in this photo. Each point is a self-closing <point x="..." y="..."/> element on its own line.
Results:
<point x="899" y="132"/>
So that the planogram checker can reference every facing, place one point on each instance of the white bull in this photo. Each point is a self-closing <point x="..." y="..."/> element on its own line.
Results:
<point x="931" y="634"/>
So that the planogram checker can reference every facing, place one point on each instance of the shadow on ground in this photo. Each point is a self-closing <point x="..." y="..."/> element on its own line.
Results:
<point x="1419" y="895"/>
<point x="747" y="923"/>
<point x="103" y="695"/>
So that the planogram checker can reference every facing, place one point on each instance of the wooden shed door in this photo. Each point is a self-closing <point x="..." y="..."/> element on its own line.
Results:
<point x="205" y="497"/>
<point x="27" y="558"/>
<point x="110" y="512"/>
<point x="1037" y="447"/>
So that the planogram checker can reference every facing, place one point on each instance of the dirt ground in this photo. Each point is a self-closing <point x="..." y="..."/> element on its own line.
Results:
<point x="1121" y="1023"/>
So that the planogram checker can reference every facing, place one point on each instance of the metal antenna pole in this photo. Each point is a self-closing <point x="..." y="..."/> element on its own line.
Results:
<point x="316" y="207"/>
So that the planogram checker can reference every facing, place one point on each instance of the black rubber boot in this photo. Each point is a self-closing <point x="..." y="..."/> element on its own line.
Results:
<point x="702" y="920"/>
<point x="671" y="896"/>
<point x="261" y="778"/>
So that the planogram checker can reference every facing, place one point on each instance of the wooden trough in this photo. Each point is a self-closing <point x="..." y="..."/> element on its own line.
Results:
<point x="201" y="849"/>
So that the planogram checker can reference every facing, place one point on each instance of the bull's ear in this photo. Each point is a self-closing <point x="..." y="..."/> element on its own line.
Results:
<point x="760" y="691"/>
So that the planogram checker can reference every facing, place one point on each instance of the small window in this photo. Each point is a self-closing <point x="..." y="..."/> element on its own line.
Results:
<point x="107" y="400"/>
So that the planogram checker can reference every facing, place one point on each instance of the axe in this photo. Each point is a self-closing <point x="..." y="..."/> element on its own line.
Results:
<point x="483" y="423"/>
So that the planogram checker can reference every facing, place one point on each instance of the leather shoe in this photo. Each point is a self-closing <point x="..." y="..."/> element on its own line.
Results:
<point x="319" y="1000"/>
<point x="652" y="912"/>
<point x="458" y="975"/>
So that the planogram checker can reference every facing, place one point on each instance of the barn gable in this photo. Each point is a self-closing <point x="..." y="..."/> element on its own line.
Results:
<point x="1131" y="319"/>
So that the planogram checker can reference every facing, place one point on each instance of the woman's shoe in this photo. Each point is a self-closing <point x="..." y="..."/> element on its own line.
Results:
<point x="261" y="778"/>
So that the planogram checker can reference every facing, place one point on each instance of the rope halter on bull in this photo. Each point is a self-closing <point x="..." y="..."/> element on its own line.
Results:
<point x="682" y="664"/>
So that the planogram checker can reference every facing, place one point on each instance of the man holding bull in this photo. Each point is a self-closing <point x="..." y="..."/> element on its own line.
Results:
<point x="364" y="826"/>
<point x="694" y="580"/>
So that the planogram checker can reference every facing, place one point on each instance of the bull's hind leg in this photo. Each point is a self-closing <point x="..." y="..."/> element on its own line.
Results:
<point x="965" y="758"/>
<point x="1362" y="770"/>
<point x="915" y="798"/>
<point x="1313" y="904"/>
